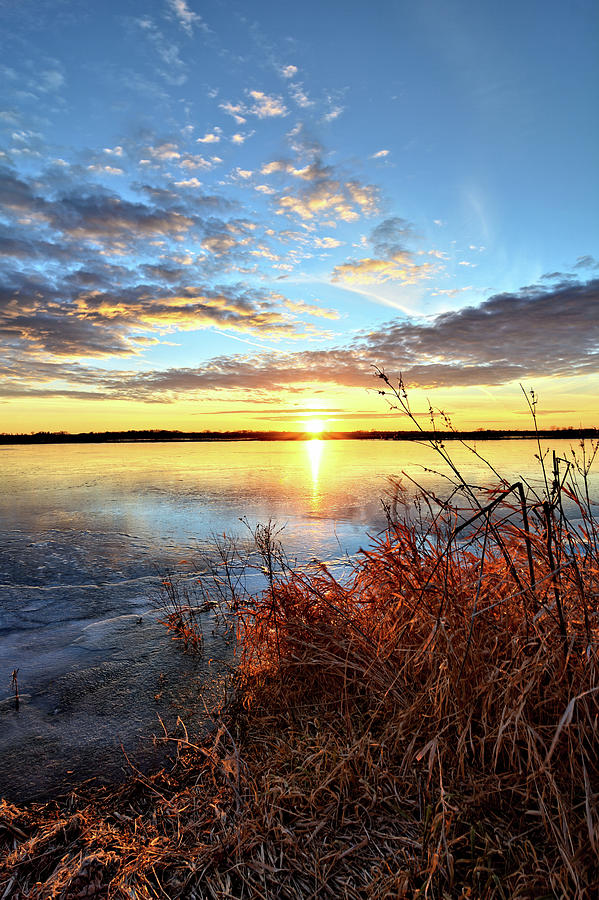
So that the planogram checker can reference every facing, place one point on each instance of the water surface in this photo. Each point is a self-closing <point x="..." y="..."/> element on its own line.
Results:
<point x="87" y="533"/>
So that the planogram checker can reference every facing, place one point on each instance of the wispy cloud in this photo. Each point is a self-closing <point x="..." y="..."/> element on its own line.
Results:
<point x="299" y="95"/>
<point x="235" y="110"/>
<point x="50" y="80"/>
<point x="185" y="16"/>
<point x="312" y="309"/>
<point x="173" y="70"/>
<point x="334" y="111"/>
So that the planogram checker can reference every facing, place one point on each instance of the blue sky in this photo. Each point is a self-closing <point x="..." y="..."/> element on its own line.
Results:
<point x="222" y="214"/>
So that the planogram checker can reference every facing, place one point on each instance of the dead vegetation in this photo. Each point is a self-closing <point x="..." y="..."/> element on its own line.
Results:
<point x="427" y="727"/>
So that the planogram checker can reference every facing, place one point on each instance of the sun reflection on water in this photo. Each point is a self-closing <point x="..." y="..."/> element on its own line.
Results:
<point x="314" y="449"/>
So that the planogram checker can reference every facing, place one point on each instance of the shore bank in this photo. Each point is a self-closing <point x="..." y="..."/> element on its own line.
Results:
<point x="157" y="436"/>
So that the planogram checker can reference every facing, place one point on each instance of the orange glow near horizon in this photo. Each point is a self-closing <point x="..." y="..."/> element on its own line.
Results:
<point x="563" y="402"/>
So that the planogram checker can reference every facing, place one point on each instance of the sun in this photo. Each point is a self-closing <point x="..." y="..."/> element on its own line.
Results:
<point x="314" y="426"/>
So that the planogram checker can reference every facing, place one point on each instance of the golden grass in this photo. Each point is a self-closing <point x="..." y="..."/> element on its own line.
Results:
<point x="427" y="728"/>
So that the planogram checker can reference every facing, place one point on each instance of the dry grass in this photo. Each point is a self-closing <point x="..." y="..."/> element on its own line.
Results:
<point x="427" y="728"/>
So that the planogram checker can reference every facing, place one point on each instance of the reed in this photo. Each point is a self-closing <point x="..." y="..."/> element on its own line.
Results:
<point x="425" y="727"/>
<point x="14" y="683"/>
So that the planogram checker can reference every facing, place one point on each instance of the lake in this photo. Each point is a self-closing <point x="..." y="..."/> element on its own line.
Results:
<point x="87" y="534"/>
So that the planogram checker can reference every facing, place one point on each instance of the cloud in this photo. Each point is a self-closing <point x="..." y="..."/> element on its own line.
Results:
<point x="50" y="80"/>
<point x="333" y="113"/>
<point x="532" y="333"/>
<point x="95" y="273"/>
<point x="323" y="199"/>
<point x="21" y="245"/>
<point x="16" y="195"/>
<point x="80" y="318"/>
<point x="189" y="182"/>
<point x="364" y="195"/>
<point x="376" y="271"/>
<point x="211" y="137"/>
<point x="45" y="216"/>
<point x="288" y="71"/>
<point x="105" y="170"/>
<point x="170" y="153"/>
<point x="327" y="243"/>
<point x="173" y="71"/>
<point x="509" y="337"/>
<point x="234" y="110"/>
<point x="265" y="106"/>
<point x="193" y="161"/>
<point x="105" y="215"/>
<point x="586" y="262"/>
<point x="450" y="292"/>
<point x="234" y="245"/>
<point x="390" y="236"/>
<point x="299" y="95"/>
<point x="248" y="374"/>
<point x="311" y="309"/>
<point x="66" y="310"/>
<point x="324" y="192"/>
<point x="186" y="17"/>
<point x="220" y="244"/>
<point x="276" y="165"/>
<point x="393" y="260"/>
<point x="165" y="152"/>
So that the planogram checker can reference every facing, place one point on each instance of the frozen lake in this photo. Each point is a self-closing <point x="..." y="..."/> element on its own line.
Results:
<point x="87" y="534"/>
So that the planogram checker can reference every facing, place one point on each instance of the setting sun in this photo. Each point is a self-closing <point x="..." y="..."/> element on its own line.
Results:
<point x="314" y="426"/>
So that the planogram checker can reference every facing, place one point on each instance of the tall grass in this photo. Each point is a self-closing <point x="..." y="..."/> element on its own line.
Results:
<point x="426" y="726"/>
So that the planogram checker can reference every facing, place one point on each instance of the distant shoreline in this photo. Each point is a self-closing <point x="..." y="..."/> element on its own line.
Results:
<point x="156" y="436"/>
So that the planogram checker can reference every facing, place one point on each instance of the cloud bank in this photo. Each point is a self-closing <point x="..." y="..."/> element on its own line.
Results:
<point x="533" y="333"/>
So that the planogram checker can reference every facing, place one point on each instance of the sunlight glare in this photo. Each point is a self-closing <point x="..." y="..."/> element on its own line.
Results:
<point x="314" y="426"/>
<point x="315" y="448"/>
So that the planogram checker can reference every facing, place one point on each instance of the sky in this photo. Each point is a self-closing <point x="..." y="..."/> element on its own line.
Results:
<point x="222" y="215"/>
